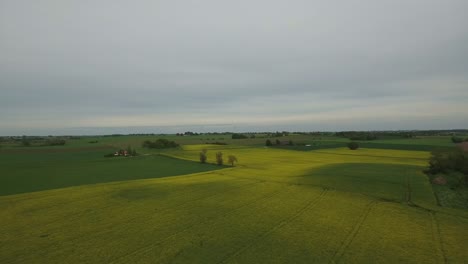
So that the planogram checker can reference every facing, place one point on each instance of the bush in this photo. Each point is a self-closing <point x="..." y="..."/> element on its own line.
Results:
<point x="268" y="142"/>
<point x="353" y="145"/>
<point x="457" y="139"/>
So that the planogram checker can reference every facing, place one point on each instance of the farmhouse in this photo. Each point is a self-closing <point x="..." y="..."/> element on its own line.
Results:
<point x="122" y="153"/>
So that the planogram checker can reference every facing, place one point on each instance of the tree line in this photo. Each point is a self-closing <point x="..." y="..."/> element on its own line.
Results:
<point x="160" y="143"/>
<point x="218" y="158"/>
<point x="456" y="139"/>
<point x="450" y="162"/>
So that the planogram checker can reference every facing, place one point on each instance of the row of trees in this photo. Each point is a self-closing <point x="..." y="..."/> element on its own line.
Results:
<point x="351" y="145"/>
<point x="49" y="142"/>
<point x="219" y="158"/>
<point x="278" y="142"/>
<point x="373" y="135"/>
<point x="55" y="142"/>
<point x="356" y="135"/>
<point x="239" y="136"/>
<point x="131" y="151"/>
<point x="160" y="144"/>
<point x="458" y="139"/>
<point x="447" y="160"/>
<point x="452" y="163"/>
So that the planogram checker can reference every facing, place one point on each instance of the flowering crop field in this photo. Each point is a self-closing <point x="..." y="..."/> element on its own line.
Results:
<point x="274" y="205"/>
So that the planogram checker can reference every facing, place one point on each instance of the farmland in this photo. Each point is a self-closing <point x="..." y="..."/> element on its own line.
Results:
<point x="36" y="171"/>
<point x="278" y="204"/>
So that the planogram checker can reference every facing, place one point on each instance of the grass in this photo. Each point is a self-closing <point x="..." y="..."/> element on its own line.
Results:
<point x="448" y="197"/>
<point x="421" y="143"/>
<point x="276" y="205"/>
<point x="453" y="193"/>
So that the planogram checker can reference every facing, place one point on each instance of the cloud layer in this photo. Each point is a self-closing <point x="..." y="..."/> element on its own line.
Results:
<point x="254" y="65"/>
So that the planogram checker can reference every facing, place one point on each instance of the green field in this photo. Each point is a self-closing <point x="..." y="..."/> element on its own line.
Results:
<point x="329" y="205"/>
<point x="43" y="170"/>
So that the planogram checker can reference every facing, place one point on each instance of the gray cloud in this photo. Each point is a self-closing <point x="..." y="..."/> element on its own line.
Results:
<point x="308" y="65"/>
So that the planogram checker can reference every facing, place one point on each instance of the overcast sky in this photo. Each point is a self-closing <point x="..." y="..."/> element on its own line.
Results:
<point x="86" y="66"/>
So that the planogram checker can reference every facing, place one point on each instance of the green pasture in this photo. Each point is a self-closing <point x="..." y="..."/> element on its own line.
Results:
<point x="419" y="143"/>
<point x="328" y="205"/>
<point x="25" y="171"/>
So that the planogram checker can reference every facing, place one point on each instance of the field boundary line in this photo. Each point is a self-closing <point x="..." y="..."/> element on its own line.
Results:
<point x="349" y="239"/>
<point x="205" y="220"/>
<point x="437" y="238"/>
<point x="282" y="223"/>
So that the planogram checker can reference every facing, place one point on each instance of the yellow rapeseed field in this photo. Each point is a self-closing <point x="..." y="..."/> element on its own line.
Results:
<point x="274" y="206"/>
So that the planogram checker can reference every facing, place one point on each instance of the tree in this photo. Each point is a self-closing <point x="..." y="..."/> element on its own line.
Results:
<point x="160" y="144"/>
<point x="238" y="136"/>
<point x="26" y="142"/>
<point x="291" y="143"/>
<point x="129" y="150"/>
<point x="278" y="142"/>
<point x="268" y="143"/>
<point x="353" y="145"/>
<point x="278" y="134"/>
<point x="219" y="158"/>
<point x="450" y="162"/>
<point x="443" y="161"/>
<point x="54" y="142"/>
<point x="457" y="139"/>
<point x="232" y="159"/>
<point x="203" y="156"/>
